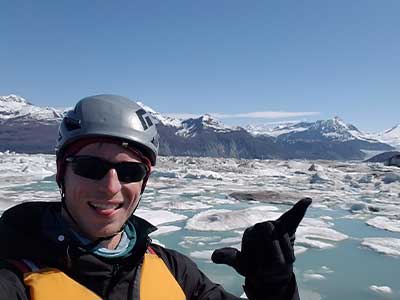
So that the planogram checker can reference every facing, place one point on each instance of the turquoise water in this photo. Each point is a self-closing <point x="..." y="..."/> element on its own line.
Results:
<point x="352" y="268"/>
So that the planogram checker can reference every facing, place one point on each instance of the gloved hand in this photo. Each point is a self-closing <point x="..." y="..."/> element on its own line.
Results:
<point x="267" y="255"/>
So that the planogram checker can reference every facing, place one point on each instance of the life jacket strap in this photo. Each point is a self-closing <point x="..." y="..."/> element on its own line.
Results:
<point x="24" y="265"/>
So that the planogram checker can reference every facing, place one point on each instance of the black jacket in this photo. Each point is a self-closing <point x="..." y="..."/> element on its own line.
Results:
<point x="22" y="237"/>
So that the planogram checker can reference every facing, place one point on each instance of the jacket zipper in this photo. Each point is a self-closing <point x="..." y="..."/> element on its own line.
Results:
<point x="113" y="279"/>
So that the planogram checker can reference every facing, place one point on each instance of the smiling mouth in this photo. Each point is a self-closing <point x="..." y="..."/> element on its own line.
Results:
<point x="105" y="207"/>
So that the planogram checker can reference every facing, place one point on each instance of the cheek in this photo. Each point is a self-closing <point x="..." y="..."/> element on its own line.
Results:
<point x="131" y="192"/>
<point x="73" y="185"/>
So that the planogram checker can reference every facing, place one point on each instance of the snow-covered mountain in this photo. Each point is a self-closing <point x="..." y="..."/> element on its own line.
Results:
<point x="275" y="131"/>
<point x="191" y="127"/>
<point x="390" y="136"/>
<point x="19" y="109"/>
<point x="334" y="129"/>
<point x="159" y="118"/>
<point x="334" y="132"/>
<point x="28" y="128"/>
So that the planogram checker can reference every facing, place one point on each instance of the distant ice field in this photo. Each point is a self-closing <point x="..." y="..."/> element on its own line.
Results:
<point x="347" y="247"/>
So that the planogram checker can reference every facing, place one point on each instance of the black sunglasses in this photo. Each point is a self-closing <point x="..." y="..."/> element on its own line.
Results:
<point x="96" y="168"/>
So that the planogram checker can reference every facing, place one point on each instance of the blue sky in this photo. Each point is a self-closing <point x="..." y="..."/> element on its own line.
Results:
<point x="306" y="60"/>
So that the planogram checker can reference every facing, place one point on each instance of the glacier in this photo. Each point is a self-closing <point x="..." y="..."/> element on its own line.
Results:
<point x="355" y="210"/>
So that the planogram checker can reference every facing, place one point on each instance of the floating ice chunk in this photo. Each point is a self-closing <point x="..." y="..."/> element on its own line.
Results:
<point x="367" y="178"/>
<point x="315" y="167"/>
<point x="25" y="167"/>
<point x="206" y="254"/>
<point x="181" y="191"/>
<point x="321" y="206"/>
<point x="319" y="233"/>
<point x="310" y="276"/>
<point x="157" y="217"/>
<point x="313" y="243"/>
<point x="231" y="240"/>
<point x="266" y="196"/>
<point x="310" y="235"/>
<point x="299" y="249"/>
<point x="326" y="218"/>
<point x="191" y="192"/>
<point x="203" y="174"/>
<point x="164" y="173"/>
<point x="180" y="205"/>
<point x="385" y="223"/>
<point x="388" y="246"/>
<point x="194" y="241"/>
<point x="223" y="219"/>
<point x="265" y="171"/>
<point x="381" y="289"/>
<point x="391" y="177"/>
<point x="294" y="164"/>
<point x="167" y="191"/>
<point x="165" y="230"/>
<point x="218" y="201"/>
<point x="326" y="270"/>
<point x="319" y="177"/>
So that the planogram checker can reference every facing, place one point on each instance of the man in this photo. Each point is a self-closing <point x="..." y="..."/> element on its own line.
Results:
<point x="91" y="246"/>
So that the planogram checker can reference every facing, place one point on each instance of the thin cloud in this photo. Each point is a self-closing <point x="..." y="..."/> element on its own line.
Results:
<point x="182" y="115"/>
<point x="266" y="115"/>
<point x="284" y="122"/>
<point x="250" y="115"/>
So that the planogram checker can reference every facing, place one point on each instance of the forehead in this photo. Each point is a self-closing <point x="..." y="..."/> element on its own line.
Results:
<point x="107" y="150"/>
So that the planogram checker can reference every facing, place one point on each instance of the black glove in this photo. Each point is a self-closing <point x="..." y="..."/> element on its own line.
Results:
<point x="267" y="255"/>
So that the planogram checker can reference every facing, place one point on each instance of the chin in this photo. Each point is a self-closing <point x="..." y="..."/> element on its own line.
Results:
<point x="104" y="232"/>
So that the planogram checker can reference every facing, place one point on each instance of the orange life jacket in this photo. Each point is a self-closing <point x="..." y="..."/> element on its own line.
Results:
<point x="156" y="282"/>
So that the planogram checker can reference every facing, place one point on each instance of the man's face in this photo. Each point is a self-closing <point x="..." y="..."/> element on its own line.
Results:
<point x="101" y="207"/>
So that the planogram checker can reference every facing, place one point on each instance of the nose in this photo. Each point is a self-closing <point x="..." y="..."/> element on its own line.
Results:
<point x="110" y="183"/>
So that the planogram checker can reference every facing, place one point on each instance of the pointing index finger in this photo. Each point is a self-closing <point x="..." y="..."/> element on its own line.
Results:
<point x="291" y="219"/>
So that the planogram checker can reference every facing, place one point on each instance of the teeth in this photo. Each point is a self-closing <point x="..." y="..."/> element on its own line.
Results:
<point x="105" y="206"/>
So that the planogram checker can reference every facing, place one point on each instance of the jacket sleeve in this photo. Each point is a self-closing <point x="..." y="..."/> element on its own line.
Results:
<point x="197" y="286"/>
<point x="261" y="292"/>
<point x="11" y="286"/>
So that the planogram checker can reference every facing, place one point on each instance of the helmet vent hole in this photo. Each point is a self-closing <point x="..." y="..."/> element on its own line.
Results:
<point x="72" y="124"/>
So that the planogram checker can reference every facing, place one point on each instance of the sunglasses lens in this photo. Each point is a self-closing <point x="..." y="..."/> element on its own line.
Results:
<point x="89" y="167"/>
<point x="131" y="171"/>
<point x="96" y="168"/>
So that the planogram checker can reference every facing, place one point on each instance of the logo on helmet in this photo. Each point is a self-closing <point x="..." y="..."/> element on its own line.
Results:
<point x="144" y="118"/>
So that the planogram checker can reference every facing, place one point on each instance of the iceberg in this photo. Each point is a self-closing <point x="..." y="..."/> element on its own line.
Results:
<point x="388" y="246"/>
<point x="224" y="219"/>
<point x="157" y="217"/>
<point x="385" y="223"/>
<point x="381" y="289"/>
